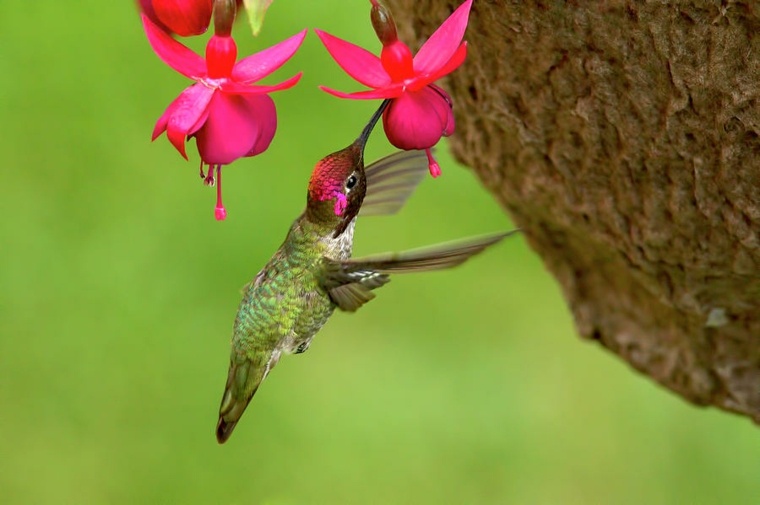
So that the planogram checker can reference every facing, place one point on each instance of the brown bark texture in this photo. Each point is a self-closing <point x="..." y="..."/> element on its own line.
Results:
<point x="624" y="139"/>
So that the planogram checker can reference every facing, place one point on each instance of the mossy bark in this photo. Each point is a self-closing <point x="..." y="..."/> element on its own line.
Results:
<point x="624" y="139"/>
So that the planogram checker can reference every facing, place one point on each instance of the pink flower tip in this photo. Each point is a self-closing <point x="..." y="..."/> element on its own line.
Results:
<point x="435" y="169"/>
<point x="433" y="166"/>
<point x="220" y="213"/>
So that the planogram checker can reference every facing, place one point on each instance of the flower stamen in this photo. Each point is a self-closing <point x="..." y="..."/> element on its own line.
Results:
<point x="220" y="213"/>
<point x="209" y="180"/>
<point x="433" y="166"/>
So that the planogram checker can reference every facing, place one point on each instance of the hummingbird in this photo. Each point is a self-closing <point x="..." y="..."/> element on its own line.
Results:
<point x="312" y="273"/>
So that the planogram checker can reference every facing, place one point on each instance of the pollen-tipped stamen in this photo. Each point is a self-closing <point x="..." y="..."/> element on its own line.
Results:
<point x="209" y="180"/>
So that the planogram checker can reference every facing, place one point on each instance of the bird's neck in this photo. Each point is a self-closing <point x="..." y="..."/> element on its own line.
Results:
<point x="319" y="236"/>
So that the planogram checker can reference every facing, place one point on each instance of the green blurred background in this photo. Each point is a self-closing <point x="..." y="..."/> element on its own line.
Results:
<point x="119" y="290"/>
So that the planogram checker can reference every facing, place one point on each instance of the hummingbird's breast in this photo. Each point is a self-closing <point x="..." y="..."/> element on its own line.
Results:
<point x="314" y="306"/>
<point x="342" y="246"/>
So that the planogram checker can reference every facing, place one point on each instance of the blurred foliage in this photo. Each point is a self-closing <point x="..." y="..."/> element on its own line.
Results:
<point x="119" y="290"/>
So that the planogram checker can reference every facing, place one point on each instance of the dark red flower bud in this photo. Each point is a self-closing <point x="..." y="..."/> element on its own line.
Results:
<point x="146" y="7"/>
<point x="382" y="22"/>
<point x="224" y="17"/>
<point x="183" y="17"/>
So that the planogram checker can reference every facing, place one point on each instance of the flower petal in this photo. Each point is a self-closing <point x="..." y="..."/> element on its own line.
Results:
<point x="174" y="54"/>
<point x="450" y="126"/>
<point x="264" y="109"/>
<point x="417" y="120"/>
<point x="456" y="60"/>
<point x="164" y="119"/>
<point x="235" y="127"/>
<point x="146" y="7"/>
<point x="263" y="63"/>
<point x="252" y="89"/>
<point x="357" y="62"/>
<point x="371" y="94"/>
<point x="183" y="115"/>
<point x="424" y="80"/>
<point x="440" y="47"/>
<point x="184" y="17"/>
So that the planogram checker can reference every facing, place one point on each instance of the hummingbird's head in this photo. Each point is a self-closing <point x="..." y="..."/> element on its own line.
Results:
<point x="338" y="183"/>
<point x="337" y="188"/>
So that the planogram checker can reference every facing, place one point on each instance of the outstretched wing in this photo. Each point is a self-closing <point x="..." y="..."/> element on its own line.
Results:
<point x="350" y="287"/>
<point x="350" y="283"/>
<point x="435" y="257"/>
<point x="391" y="180"/>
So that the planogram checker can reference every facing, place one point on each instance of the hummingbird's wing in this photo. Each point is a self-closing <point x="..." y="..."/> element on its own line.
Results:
<point x="350" y="283"/>
<point x="391" y="180"/>
<point x="350" y="287"/>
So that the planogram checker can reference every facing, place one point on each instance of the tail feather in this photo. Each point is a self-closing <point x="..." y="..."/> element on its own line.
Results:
<point x="224" y="430"/>
<point x="242" y="384"/>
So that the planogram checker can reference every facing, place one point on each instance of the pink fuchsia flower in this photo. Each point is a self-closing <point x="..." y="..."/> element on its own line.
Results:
<point x="420" y="112"/>
<point x="183" y="17"/>
<point x="224" y="111"/>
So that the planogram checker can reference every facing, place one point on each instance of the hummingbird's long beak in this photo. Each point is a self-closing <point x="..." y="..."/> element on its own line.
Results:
<point x="362" y="140"/>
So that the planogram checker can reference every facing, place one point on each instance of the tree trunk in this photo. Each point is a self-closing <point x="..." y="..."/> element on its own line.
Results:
<point x="623" y="138"/>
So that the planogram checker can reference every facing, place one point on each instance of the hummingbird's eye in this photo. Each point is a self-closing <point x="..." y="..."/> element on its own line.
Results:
<point x="351" y="182"/>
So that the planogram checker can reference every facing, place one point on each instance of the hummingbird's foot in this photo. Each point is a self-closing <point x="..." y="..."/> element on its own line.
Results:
<point x="302" y="347"/>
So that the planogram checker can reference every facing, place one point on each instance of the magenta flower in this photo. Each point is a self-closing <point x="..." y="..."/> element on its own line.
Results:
<point x="183" y="17"/>
<point x="420" y="112"/>
<point x="227" y="114"/>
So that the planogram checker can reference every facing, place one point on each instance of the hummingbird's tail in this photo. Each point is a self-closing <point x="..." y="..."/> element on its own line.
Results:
<point x="242" y="383"/>
<point x="224" y="430"/>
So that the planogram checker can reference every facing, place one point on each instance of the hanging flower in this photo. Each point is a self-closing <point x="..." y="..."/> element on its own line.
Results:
<point x="184" y="17"/>
<point x="224" y="111"/>
<point x="420" y="111"/>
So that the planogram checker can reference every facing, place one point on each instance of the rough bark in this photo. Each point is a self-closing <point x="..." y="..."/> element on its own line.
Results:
<point x="624" y="139"/>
